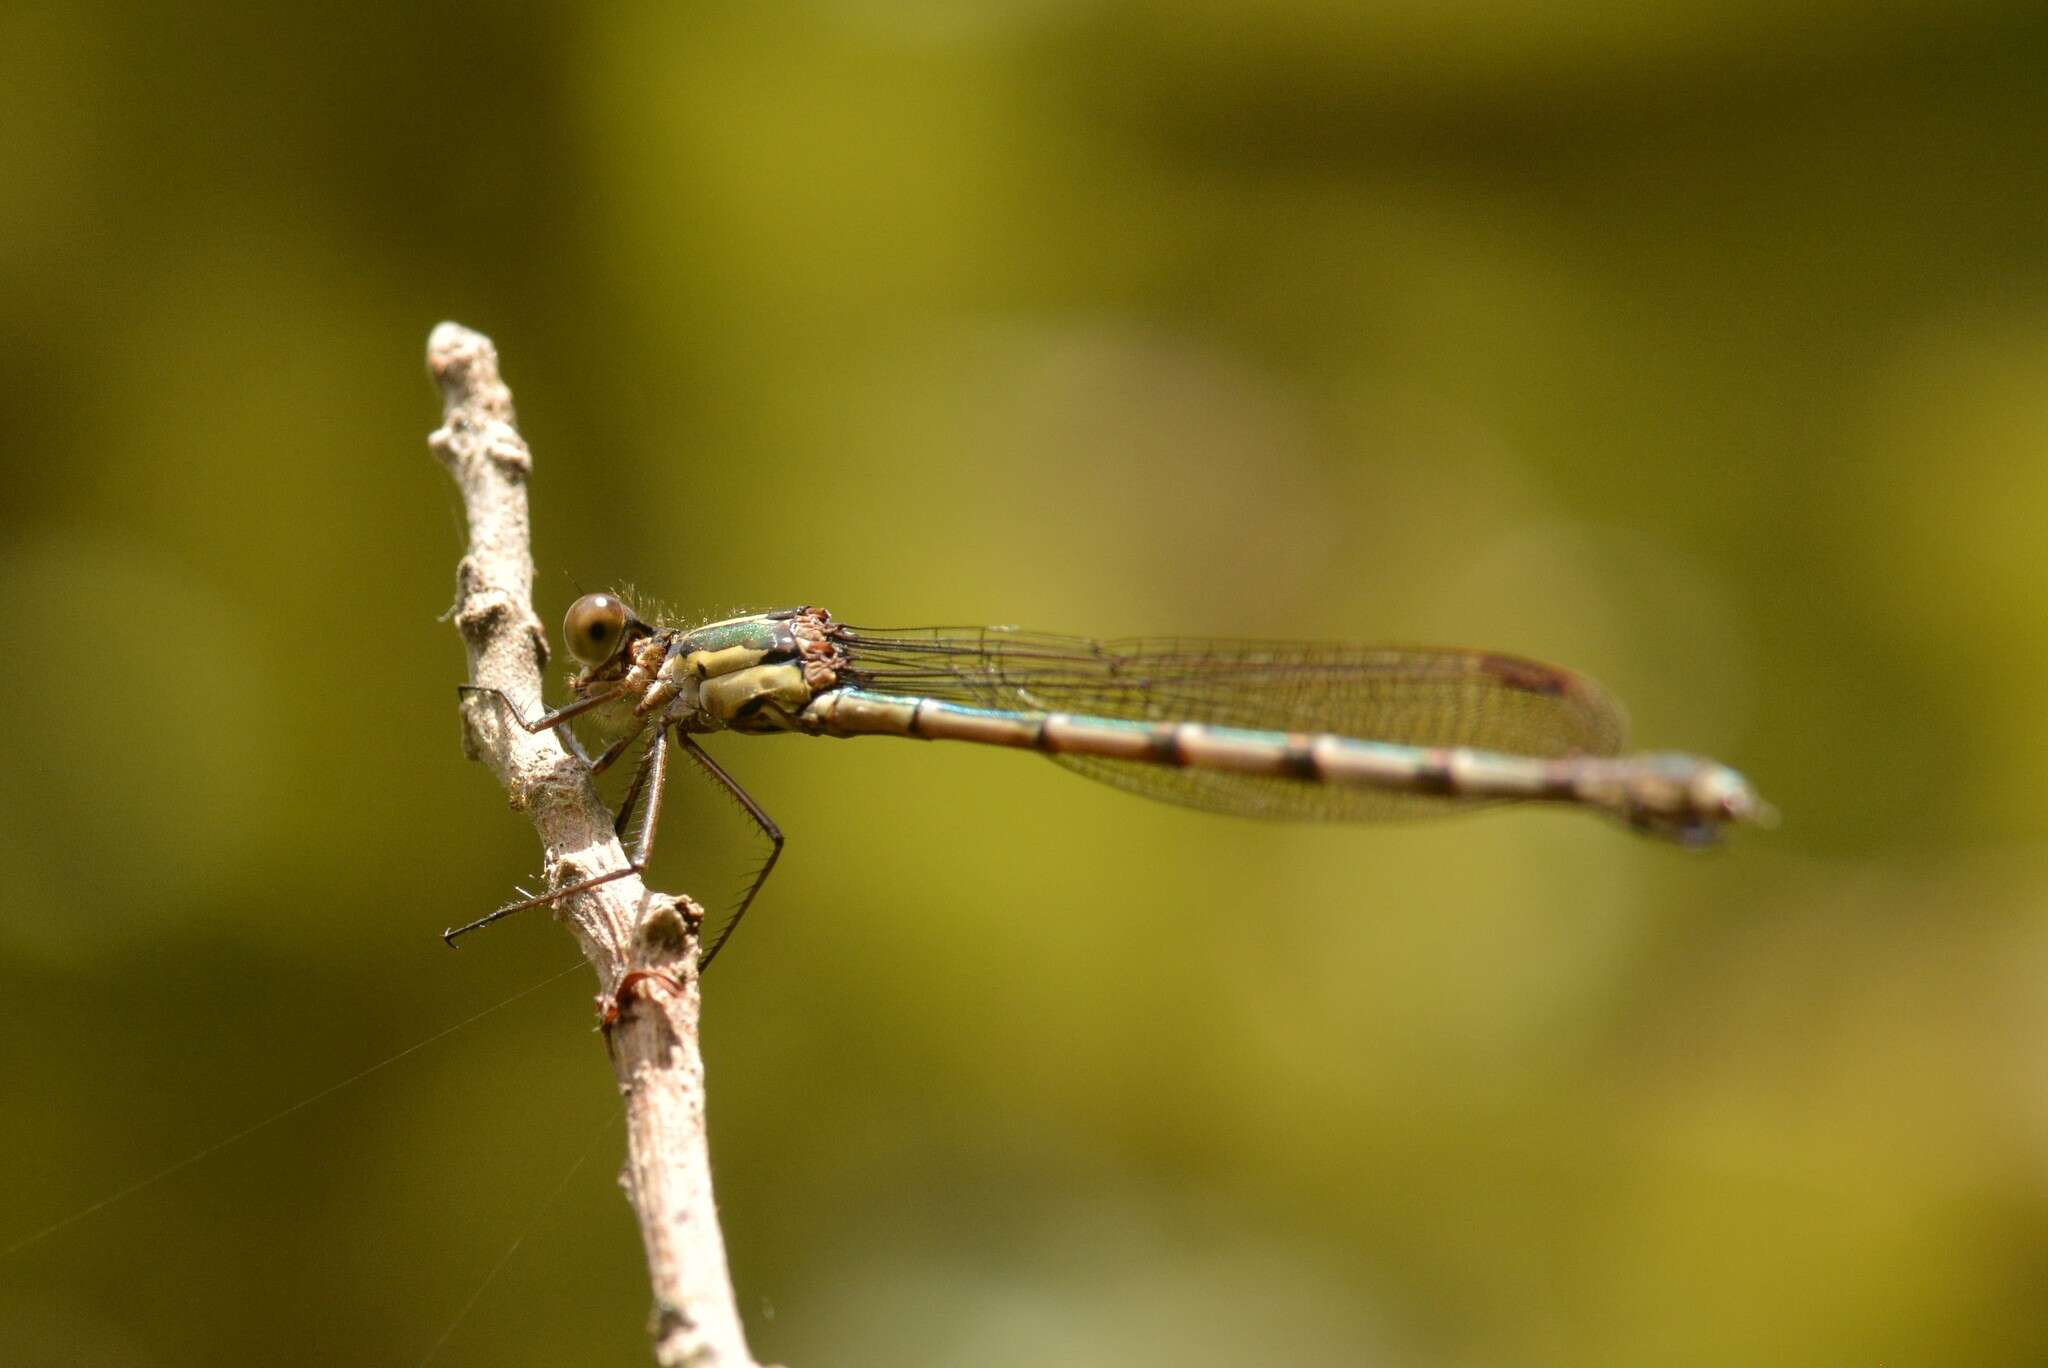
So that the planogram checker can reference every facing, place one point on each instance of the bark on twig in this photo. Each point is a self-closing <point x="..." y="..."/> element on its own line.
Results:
<point x="643" y="945"/>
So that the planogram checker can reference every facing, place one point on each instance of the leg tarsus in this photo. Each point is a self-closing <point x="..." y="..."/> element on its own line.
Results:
<point x="548" y="719"/>
<point x="636" y="862"/>
<point x="761" y="819"/>
<point x="580" y="886"/>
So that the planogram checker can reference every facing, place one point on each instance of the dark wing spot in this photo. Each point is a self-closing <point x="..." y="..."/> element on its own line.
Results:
<point x="1526" y="675"/>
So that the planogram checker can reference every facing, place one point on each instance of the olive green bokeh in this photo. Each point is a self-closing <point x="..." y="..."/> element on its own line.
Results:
<point x="1704" y="351"/>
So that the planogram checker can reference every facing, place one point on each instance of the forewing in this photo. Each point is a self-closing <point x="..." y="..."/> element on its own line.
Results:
<point x="1407" y="696"/>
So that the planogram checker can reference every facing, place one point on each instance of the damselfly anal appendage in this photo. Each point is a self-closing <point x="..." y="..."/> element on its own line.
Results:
<point x="1263" y="729"/>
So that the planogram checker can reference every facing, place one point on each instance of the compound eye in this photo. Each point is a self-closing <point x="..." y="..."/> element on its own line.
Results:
<point x="593" y="627"/>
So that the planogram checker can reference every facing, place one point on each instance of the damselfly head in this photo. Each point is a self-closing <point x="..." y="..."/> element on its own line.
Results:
<point x="594" y="627"/>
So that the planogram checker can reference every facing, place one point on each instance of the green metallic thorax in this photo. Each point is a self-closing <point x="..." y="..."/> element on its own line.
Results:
<point x="745" y="674"/>
<point x="762" y="634"/>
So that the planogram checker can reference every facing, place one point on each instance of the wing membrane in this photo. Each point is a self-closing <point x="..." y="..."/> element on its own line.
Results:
<point x="1408" y="696"/>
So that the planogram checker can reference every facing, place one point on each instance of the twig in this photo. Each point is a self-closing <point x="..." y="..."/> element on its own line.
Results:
<point x="643" y="945"/>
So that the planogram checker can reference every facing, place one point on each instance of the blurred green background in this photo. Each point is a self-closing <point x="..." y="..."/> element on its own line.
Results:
<point x="1704" y="349"/>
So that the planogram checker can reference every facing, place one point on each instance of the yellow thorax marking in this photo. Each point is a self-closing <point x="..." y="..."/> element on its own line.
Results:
<point x="761" y="698"/>
<point x="713" y="664"/>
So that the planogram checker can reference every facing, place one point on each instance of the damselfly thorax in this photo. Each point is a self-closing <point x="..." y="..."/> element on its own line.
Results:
<point x="1263" y="729"/>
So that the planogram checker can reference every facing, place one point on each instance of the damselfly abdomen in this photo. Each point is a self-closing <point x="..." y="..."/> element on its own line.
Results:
<point x="1262" y="729"/>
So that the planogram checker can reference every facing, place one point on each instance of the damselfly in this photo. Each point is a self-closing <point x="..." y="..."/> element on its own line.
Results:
<point x="1263" y="729"/>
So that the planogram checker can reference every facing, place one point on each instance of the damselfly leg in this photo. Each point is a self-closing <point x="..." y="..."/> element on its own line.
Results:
<point x="654" y="771"/>
<point x="648" y="782"/>
<point x="761" y="820"/>
<point x="567" y="713"/>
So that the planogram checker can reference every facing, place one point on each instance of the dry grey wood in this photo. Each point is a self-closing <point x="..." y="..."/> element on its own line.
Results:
<point x="643" y="945"/>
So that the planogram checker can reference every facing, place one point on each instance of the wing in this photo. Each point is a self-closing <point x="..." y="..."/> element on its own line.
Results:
<point x="1406" y="696"/>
